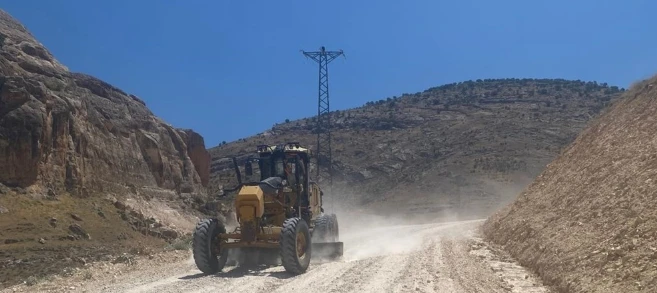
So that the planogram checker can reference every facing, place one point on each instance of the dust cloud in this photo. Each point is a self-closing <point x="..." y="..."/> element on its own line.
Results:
<point x="397" y="225"/>
<point x="370" y="232"/>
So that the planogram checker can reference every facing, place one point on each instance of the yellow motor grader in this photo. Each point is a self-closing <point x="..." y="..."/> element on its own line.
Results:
<point x="280" y="215"/>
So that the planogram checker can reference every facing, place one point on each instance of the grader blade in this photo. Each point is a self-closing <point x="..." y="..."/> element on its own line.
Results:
<point x="327" y="250"/>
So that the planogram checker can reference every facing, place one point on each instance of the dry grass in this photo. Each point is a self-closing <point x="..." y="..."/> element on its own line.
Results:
<point x="182" y="243"/>
<point x="29" y="220"/>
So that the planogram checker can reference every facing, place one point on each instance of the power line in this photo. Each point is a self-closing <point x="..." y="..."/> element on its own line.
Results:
<point x="323" y="124"/>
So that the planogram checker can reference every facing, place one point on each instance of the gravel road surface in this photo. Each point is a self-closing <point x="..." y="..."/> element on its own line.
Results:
<point x="441" y="257"/>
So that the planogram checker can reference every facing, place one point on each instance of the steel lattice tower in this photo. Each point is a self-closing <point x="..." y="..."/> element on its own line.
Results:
<point x="323" y="123"/>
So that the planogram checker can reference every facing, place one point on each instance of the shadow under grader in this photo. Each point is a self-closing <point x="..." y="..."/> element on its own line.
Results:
<point x="258" y="262"/>
<point x="194" y="276"/>
<point x="260" y="271"/>
<point x="241" y="271"/>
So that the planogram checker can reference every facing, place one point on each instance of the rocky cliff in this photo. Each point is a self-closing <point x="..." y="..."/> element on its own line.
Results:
<point x="62" y="131"/>
<point x="87" y="171"/>
<point x="588" y="223"/>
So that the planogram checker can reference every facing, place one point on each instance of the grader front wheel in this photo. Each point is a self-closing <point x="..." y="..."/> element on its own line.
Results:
<point x="295" y="245"/>
<point x="205" y="246"/>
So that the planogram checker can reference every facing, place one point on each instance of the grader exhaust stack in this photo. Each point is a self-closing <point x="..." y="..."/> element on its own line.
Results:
<point x="281" y="217"/>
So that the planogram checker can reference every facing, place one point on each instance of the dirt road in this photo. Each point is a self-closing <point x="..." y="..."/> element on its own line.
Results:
<point x="444" y="257"/>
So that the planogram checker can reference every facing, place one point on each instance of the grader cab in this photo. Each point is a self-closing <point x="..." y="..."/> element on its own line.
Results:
<point x="280" y="216"/>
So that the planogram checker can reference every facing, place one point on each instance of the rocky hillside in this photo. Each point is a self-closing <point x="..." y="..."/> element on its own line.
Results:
<point x="589" y="221"/>
<point x="70" y="132"/>
<point x="465" y="145"/>
<point x="82" y="164"/>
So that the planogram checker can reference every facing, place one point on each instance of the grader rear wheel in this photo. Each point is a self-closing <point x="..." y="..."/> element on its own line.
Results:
<point x="295" y="246"/>
<point x="322" y="231"/>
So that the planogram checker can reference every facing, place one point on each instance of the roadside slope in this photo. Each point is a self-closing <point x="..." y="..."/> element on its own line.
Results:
<point x="588" y="223"/>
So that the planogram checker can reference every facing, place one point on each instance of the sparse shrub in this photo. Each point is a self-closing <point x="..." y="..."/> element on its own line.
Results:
<point x="68" y="272"/>
<point x="31" y="281"/>
<point x="182" y="243"/>
<point x="125" y="258"/>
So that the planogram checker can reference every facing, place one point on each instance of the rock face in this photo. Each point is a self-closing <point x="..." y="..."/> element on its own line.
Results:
<point x="588" y="223"/>
<point x="70" y="132"/>
<point x="199" y="155"/>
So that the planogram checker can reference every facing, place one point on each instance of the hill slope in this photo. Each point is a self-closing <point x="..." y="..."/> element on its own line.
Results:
<point x="589" y="221"/>
<point x="84" y="166"/>
<point x="465" y="145"/>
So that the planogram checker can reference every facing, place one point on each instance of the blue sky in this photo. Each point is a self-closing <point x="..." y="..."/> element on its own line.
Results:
<point x="230" y="69"/>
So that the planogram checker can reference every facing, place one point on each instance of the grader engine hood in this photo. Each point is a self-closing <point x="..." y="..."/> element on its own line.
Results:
<point x="249" y="207"/>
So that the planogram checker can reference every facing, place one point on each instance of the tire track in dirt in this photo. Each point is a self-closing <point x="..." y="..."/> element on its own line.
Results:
<point x="424" y="271"/>
<point x="232" y="279"/>
<point x="347" y="276"/>
<point x="470" y="275"/>
<point x="383" y="279"/>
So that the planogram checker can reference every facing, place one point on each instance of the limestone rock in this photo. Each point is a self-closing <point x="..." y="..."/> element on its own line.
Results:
<point x="120" y="205"/>
<point x="169" y="234"/>
<point x="77" y="230"/>
<point x="71" y="132"/>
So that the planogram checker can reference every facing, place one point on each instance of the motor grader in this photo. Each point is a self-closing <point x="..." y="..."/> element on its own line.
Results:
<point x="280" y="217"/>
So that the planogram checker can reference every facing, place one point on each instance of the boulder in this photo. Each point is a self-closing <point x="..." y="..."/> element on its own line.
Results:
<point x="77" y="230"/>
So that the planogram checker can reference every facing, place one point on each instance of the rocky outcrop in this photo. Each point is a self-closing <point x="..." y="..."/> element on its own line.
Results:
<point x="146" y="225"/>
<point x="70" y="132"/>
<point x="198" y="154"/>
